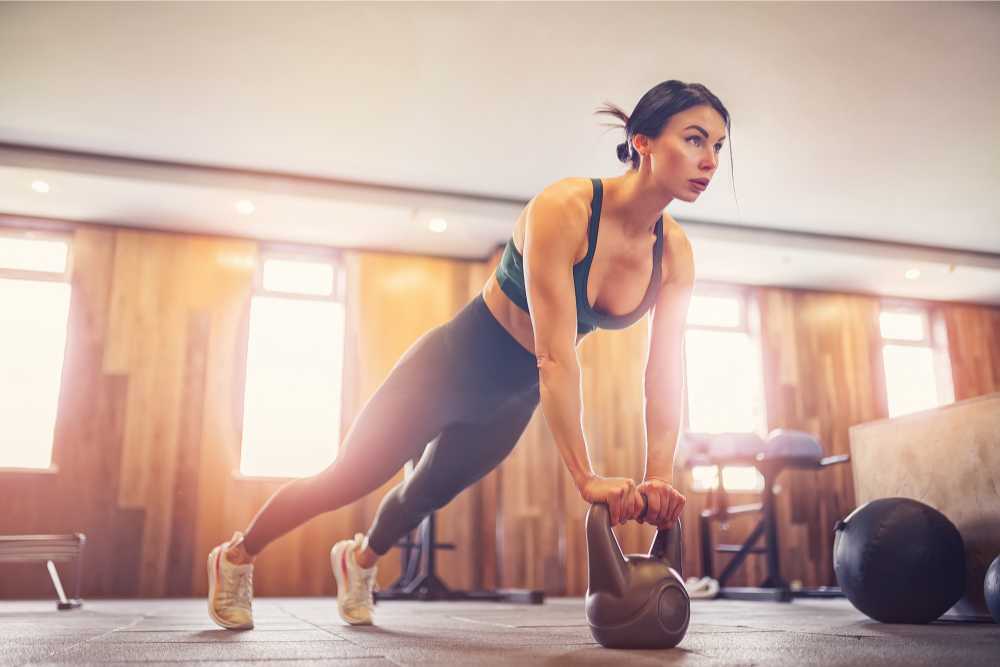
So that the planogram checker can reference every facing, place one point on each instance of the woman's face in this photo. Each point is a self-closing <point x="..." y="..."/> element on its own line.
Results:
<point x="687" y="151"/>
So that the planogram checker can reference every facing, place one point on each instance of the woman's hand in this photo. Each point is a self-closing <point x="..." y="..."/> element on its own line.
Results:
<point x="665" y="502"/>
<point x="619" y="493"/>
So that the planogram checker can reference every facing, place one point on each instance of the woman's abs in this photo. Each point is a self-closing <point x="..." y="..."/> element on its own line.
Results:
<point x="510" y="316"/>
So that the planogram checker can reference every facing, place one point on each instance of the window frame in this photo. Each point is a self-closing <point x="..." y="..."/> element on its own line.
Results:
<point x="64" y="276"/>
<point x="31" y="232"/>
<point x="292" y="252"/>
<point x="331" y="256"/>
<point x="740" y="293"/>
<point x="749" y="324"/>
<point x="909" y="308"/>
<point x="935" y="338"/>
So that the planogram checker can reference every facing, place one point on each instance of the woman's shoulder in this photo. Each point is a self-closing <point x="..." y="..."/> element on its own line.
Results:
<point x="568" y="189"/>
<point x="568" y="197"/>
<point x="564" y="205"/>
<point x="678" y="257"/>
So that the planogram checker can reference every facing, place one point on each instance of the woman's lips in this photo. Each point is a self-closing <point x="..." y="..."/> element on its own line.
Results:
<point x="700" y="187"/>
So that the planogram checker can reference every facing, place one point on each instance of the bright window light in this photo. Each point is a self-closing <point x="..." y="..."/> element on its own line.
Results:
<point x="33" y="318"/>
<point x="704" y="478"/>
<point x="713" y="311"/>
<point x="298" y="277"/>
<point x="736" y="478"/>
<point x="911" y="383"/>
<point x="291" y="423"/>
<point x="33" y="254"/>
<point x="723" y="375"/>
<point x="742" y="478"/>
<point x="900" y="325"/>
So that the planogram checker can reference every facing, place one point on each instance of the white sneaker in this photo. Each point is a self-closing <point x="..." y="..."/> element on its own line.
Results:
<point x="705" y="588"/>
<point x="355" y="584"/>
<point x="230" y="588"/>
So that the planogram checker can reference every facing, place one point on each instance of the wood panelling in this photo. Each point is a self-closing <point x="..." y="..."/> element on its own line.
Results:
<point x="87" y="445"/>
<point x="394" y="300"/>
<point x="974" y="348"/>
<point x="150" y="414"/>
<point x="822" y="374"/>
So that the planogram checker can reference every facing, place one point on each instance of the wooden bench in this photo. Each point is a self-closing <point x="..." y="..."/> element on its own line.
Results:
<point x="50" y="549"/>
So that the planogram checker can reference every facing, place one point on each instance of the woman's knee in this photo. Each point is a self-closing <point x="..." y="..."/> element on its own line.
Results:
<point x="325" y="493"/>
<point x="420" y="500"/>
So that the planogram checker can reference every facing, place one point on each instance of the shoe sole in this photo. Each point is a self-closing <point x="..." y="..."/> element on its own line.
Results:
<point x="213" y="575"/>
<point x="337" y="565"/>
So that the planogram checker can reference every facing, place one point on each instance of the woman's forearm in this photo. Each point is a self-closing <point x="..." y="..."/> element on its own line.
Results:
<point x="562" y="404"/>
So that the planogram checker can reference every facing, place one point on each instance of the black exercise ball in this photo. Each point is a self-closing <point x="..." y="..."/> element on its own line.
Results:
<point x="899" y="561"/>
<point x="991" y="589"/>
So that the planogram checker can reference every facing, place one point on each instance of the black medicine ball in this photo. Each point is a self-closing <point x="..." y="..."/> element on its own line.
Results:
<point x="991" y="589"/>
<point x="899" y="561"/>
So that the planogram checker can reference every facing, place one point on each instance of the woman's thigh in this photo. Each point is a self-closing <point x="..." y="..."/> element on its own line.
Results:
<point x="465" y="452"/>
<point x="446" y="387"/>
<point x="407" y="411"/>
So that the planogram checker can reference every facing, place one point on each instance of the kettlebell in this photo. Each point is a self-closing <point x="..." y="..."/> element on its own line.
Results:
<point x="635" y="601"/>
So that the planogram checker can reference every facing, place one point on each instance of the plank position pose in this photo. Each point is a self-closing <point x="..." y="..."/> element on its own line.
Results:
<point x="585" y="253"/>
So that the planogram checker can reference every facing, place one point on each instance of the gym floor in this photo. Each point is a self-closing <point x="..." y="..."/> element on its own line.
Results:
<point x="304" y="630"/>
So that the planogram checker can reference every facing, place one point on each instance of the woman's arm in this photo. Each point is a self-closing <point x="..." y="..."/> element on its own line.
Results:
<point x="551" y="239"/>
<point x="555" y="228"/>
<point x="663" y="385"/>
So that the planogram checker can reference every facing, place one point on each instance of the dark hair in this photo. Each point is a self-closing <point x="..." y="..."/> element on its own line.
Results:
<point x="655" y="108"/>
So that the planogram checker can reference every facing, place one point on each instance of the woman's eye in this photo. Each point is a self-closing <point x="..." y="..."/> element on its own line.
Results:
<point x="698" y="139"/>
<point x="718" y="147"/>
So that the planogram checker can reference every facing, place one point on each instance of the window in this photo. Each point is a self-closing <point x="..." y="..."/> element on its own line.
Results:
<point x="914" y="359"/>
<point x="724" y="378"/>
<point x="34" y="312"/>
<point x="291" y="408"/>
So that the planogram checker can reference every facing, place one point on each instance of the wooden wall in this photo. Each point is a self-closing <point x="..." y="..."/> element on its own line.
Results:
<point x="149" y="421"/>
<point x="148" y="429"/>
<point x="974" y="348"/>
<point x="822" y="374"/>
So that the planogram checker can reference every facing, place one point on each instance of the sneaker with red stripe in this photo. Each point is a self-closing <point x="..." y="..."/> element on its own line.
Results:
<point x="355" y="584"/>
<point x="230" y="587"/>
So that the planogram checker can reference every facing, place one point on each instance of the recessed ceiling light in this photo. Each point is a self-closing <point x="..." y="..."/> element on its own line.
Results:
<point x="437" y="225"/>
<point x="245" y="206"/>
<point x="912" y="274"/>
<point x="40" y="186"/>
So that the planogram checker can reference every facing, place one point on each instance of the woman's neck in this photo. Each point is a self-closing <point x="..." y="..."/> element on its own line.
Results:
<point x="633" y="198"/>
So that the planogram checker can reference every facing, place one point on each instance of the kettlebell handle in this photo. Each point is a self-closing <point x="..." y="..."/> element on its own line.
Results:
<point x="645" y="506"/>
<point x="667" y="542"/>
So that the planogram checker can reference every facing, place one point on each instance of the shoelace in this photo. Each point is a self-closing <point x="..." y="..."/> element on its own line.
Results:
<point x="243" y="588"/>
<point x="362" y="588"/>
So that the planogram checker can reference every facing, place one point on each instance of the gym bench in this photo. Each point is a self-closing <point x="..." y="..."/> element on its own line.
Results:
<point x="50" y="549"/>
<point x="782" y="449"/>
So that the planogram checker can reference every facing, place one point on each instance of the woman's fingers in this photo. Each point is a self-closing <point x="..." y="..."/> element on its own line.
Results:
<point x="678" y="506"/>
<point x="655" y="508"/>
<point x="614" y="503"/>
<point x="640" y="504"/>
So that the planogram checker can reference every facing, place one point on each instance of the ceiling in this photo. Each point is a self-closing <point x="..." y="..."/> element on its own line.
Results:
<point x="864" y="136"/>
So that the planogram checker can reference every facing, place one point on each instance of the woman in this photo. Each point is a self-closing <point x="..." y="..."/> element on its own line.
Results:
<point x="512" y="347"/>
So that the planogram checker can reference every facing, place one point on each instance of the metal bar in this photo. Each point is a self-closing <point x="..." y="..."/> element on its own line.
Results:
<point x="773" y="564"/>
<point x="705" y="527"/>
<point x="54" y="575"/>
<point x="741" y="556"/>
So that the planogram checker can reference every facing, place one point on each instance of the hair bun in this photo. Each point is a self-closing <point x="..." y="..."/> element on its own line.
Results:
<point x="624" y="152"/>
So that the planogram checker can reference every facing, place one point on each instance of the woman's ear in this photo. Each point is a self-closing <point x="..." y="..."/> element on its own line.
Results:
<point x="641" y="144"/>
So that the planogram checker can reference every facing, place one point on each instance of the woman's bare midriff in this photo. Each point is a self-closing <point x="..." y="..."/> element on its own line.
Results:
<point x="510" y="316"/>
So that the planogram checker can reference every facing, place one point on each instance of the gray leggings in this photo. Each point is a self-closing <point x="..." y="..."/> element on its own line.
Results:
<point x="459" y="399"/>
